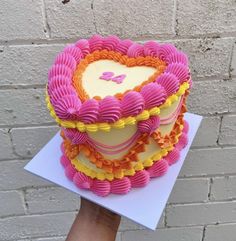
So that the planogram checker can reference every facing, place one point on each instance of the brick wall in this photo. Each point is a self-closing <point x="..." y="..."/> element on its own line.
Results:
<point x="203" y="203"/>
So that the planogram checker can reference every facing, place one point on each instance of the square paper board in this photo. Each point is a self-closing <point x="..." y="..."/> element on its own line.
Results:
<point x="142" y="205"/>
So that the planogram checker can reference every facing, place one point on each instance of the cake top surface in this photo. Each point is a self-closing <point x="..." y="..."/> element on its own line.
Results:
<point x="106" y="82"/>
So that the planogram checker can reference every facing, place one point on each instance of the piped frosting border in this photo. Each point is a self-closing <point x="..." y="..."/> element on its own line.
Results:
<point x="70" y="109"/>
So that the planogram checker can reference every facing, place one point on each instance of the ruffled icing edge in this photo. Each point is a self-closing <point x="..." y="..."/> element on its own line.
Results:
<point x="165" y="56"/>
<point x="122" y="122"/>
<point x="124" y="184"/>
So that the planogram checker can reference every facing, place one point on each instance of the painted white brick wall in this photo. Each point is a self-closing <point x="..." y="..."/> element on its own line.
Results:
<point x="202" y="205"/>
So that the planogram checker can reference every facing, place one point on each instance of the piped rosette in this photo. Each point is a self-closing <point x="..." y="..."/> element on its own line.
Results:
<point x="70" y="104"/>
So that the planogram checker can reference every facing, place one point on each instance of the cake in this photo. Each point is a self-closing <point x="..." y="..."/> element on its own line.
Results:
<point x="120" y="106"/>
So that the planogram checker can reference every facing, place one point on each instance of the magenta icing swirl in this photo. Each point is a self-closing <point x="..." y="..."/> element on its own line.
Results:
<point x="82" y="181"/>
<point x="89" y="111"/>
<point x="140" y="179"/>
<point x="59" y="69"/>
<point x="123" y="46"/>
<point x="110" y="42"/>
<point x="57" y="82"/>
<point x="101" y="188"/>
<point x="154" y="95"/>
<point x="135" y="50"/>
<point x="64" y="161"/>
<point x="183" y="141"/>
<point x="74" y="51"/>
<point x="132" y="104"/>
<point x="60" y="92"/>
<point x="70" y="171"/>
<point x="151" y="48"/>
<point x="66" y="59"/>
<point x="109" y="109"/>
<point x="177" y="57"/>
<point x="159" y="168"/>
<point x="96" y="42"/>
<point x="170" y="82"/>
<point x="165" y="50"/>
<point x="67" y="107"/>
<point x="83" y="45"/>
<point x="180" y="70"/>
<point x="75" y="136"/>
<point x="120" y="186"/>
<point x="173" y="156"/>
<point x="149" y="125"/>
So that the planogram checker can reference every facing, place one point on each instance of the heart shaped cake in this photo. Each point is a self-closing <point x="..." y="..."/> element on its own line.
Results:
<point x="121" y="106"/>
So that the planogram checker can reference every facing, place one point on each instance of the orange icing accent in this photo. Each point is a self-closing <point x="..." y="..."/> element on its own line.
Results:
<point x="122" y="59"/>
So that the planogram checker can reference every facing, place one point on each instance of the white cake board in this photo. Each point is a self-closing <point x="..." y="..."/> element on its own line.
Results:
<point x="142" y="205"/>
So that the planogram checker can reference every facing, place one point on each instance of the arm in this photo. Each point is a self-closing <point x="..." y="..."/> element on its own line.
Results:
<point x="94" y="223"/>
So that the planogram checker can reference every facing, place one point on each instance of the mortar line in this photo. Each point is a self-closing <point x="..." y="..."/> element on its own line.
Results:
<point x="203" y="233"/>
<point x="94" y="19"/>
<point x="162" y="38"/>
<point x="45" y="18"/>
<point x="175" y="18"/>
<point x="231" y="59"/>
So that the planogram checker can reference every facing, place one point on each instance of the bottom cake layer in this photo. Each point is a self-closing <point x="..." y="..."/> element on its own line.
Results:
<point x="124" y="185"/>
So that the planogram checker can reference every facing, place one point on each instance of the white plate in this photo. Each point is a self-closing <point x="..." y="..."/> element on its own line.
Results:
<point x="142" y="205"/>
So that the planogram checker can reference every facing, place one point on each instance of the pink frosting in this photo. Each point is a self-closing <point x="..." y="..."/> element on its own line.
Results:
<point x="140" y="179"/>
<point x="183" y="141"/>
<point x="67" y="107"/>
<point x="132" y="104"/>
<point x="135" y="50"/>
<point x="66" y="59"/>
<point x="74" y="51"/>
<point x="109" y="109"/>
<point x="89" y="111"/>
<point x="64" y="161"/>
<point x="149" y="125"/>
<point x="75" y="136"/>
<point x="83" y="45"/>
<point x="180" y="70"/>
<point x="58" y="81"/>
<point x="123" y="46"/>
<point x="159" y="168"/>
<point x="82" y="181"/>
<point x="101" y="188"/>
<point x="169" y="81"/>
<point x="177" y="57"/>
<point x="60" y="69"/>
<point x="96" y="42"/>
<point x="165" y="50"/>
<point x="151" y="48"/>
<point x="110" y="42"/>
<point x="70" y="172"/>
<point x="60" y="92"/>
<point x="153" y="94"/>
<point x="186" y="127"/>
<point x="120" y="186"/>
<point x="173" y="156"/>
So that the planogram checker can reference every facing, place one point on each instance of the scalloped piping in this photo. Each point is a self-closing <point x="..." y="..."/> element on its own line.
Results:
<point x="121" y="123"/>
<point x="134" y="181"/>
<point x="122" y="59"/>
<point x="116" y="166"/>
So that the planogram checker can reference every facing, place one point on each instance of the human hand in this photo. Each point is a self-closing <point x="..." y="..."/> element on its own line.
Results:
<point x="94" y="223"/>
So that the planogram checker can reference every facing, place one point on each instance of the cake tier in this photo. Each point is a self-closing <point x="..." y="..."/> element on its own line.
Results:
<point x="122" y="185"/>
<point x="105" y="83"/>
